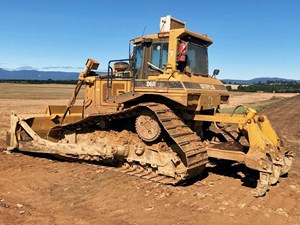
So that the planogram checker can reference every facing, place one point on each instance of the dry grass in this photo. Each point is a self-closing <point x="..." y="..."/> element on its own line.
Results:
<point x="257" y="101"/>
<point x="251" y="98"/>
<point x="30" y="98"/>
<point x="259" y="106"/>
<point x="36" y="91"/>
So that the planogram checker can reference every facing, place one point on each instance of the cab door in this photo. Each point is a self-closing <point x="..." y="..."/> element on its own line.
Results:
<point x="155" y="53"/>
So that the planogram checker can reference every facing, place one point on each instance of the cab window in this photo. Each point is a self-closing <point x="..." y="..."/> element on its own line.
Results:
<point x="160" y="54"/>
<point x="197" y="58"/>
<point x="139" y="60"/>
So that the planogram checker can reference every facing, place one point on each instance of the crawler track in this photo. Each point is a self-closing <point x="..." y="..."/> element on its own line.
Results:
<point x="188" y="145"/>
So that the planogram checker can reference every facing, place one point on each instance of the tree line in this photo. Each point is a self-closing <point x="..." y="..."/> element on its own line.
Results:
<point x="273" y="87"/>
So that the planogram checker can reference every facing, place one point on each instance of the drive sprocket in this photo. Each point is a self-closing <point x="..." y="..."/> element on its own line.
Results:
<point x="147" y="127"/>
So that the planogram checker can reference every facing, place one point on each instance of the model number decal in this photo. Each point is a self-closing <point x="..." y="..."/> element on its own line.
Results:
<point x="151" y="84"/>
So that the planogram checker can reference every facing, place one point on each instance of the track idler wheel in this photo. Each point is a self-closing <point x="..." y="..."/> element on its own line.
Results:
<point x="147" y="127"/>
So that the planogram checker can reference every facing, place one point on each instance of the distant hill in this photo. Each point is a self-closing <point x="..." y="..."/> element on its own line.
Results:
<point x="58" y="75"/>
<point x="37" y="75"/>
<point x="262" y="80"/>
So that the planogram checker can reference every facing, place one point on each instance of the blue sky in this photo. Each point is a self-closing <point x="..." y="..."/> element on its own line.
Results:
<point x="251" y="37"/>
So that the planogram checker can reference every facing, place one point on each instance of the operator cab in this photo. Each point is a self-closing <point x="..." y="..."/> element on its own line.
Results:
<point x="175" y="47"/>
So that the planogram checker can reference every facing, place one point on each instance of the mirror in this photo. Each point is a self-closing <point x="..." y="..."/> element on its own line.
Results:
<point x="216" y="72"/>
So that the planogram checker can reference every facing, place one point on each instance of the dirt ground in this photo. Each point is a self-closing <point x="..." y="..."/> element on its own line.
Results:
<point x="44" y="190"/>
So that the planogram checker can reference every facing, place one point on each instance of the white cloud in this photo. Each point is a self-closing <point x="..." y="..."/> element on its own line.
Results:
<point x="26" y="68"/>
<point x="62" y="68"/>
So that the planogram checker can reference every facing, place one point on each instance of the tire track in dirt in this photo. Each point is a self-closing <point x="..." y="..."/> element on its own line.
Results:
<point x="56" y="192"/>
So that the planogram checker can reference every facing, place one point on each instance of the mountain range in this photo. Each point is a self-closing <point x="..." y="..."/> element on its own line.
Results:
<point x="36" y="75"/>
<point x="58" y="75"/>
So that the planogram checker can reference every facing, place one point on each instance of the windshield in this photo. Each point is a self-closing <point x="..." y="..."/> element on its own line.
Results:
<point x="197" y="58"/>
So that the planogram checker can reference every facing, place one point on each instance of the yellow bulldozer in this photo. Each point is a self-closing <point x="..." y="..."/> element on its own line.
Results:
<point x="155" y="115"/>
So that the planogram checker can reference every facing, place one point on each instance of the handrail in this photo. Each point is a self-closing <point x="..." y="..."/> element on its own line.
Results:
<point x="110" y="74"/>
